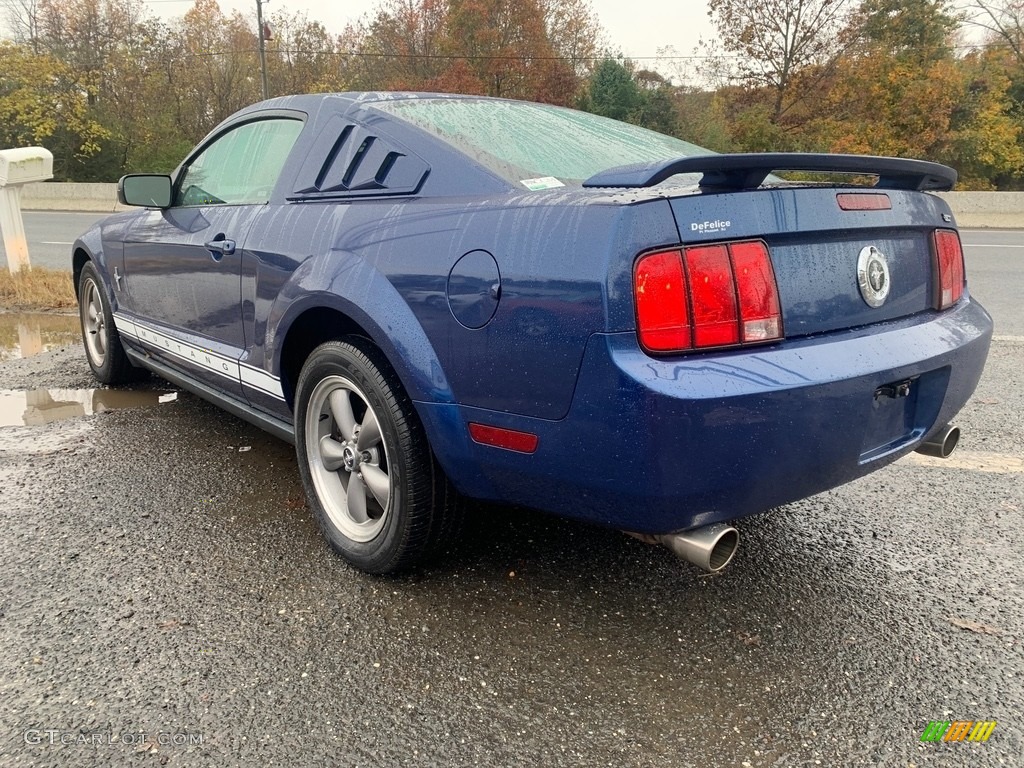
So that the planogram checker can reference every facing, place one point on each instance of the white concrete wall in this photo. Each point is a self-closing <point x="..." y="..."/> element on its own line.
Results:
<point x="1001" y="210"/>
<point x="61" y="196"/>
<point x="997" y="210"/>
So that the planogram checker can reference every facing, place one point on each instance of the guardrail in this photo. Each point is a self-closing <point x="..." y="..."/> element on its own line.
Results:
<point x="1001" y="210"/>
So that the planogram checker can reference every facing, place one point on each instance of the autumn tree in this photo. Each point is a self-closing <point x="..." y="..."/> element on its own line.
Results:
<point x="400" y="47"/>
<point x="902" y="91"/>
<point x="43" y="101"/>
<point x="505" y="45"/>
<point x="86" y="34"/>
<point x="921" y="30"/>
<point x="209" y="83"/>
<point x="143" y="102"/>
<point x="1003" y="24"/>
<point x="109" y="88"/>
<point x="987" y="141"/>
<point x="530" y="49"/>
<point x="574" y="32"/>
<point x="302" y="57"/>
<point x="774" y="40"/>
<point x="109" y="46"/>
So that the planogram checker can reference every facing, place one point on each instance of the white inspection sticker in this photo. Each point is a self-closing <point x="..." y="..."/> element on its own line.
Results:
<point x="548" y="182"/>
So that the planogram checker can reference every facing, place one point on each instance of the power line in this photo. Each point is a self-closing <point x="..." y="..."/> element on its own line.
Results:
<point x="490" y="57"/>
<point x="456" y="56"/>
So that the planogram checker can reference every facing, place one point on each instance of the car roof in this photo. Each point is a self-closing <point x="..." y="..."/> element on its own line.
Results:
<point x="349" y="103"/>
<point x="345" y="99"/>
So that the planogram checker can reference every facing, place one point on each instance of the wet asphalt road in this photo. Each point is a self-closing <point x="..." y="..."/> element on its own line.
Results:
<point x="51" y="234"/>
<point x="159" y="584"/>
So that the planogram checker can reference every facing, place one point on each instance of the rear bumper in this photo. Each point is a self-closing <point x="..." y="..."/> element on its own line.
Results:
<point x="658" y="446"/>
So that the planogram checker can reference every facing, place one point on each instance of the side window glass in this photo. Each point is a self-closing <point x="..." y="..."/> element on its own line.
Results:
<point x="240" y="167"/>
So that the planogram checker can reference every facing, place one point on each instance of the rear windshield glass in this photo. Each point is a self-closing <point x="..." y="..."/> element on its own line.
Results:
<point x="537" y="144"/>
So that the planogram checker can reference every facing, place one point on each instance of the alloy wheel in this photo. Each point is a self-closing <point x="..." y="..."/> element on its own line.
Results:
<point x="348" y="458"/>
<point x="94" y="325"/>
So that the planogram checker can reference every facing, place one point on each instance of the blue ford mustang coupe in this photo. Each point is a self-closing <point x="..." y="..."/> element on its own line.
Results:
<point x="442" y="297"/>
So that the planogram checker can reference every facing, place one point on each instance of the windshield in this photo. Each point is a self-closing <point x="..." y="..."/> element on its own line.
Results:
<point x="537" y="146"/>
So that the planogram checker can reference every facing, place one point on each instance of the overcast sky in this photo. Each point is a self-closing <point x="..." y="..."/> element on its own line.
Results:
<point x="637" y="27"/>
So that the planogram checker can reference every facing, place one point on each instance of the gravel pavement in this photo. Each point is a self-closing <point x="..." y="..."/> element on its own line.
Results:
<point x="166" y="599"/>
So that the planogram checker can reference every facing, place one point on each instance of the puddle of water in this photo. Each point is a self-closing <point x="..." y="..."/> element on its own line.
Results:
<point x="27" y="334"/>
<point x="20" y="408"/>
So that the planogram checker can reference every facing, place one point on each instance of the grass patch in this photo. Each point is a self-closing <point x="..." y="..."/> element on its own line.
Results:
<point x="36" y="288"/>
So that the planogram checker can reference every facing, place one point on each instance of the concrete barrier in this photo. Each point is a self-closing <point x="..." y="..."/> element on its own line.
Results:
<point x="1001" y="210"/>
<point x="981" y="210"/>
<point x="63" y="196"/>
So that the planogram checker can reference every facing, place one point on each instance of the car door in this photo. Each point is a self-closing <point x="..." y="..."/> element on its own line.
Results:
<point x="182" y="264"/>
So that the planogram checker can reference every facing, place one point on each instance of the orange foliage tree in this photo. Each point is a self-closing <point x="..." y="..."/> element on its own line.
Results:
<point x="530" y="49"/>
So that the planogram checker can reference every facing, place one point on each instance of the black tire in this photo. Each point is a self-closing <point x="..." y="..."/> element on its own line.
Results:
<point x="103" y="349"/>
<point x="377" y="492"/>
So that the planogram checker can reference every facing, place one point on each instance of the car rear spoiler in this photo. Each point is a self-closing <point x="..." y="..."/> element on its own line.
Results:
<point x="749" y="171"/>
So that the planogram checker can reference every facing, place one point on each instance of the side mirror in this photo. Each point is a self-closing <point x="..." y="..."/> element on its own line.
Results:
<point x="149" y="190"/>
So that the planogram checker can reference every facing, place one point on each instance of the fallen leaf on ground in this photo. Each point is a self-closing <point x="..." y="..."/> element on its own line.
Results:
<point x="974" y="626"/>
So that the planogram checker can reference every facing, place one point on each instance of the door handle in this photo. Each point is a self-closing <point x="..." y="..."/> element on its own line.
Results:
<point x="220" y="245"/>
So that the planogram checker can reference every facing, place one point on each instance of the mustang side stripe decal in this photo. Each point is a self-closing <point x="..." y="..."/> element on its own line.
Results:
<point x="189" y="353"/>
<point x="209" y="360"/>
<point x="261" y="380"/>
<point x="125" y="325"/>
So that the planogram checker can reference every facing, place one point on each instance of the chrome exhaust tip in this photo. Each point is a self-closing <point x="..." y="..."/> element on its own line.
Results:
<point x="942" y="443"/>
<point x="710" y="548"/>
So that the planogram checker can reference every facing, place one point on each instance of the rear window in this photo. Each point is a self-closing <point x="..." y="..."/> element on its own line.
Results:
<point x="537" y="145"/>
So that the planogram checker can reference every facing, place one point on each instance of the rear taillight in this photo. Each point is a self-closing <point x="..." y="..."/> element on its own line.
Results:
<point x="662" y="309"/>
<point x="949" y="268"/>
<point x="706" y="296"/>
<point x="713" y="293"/>
<point x="760" y="314"/>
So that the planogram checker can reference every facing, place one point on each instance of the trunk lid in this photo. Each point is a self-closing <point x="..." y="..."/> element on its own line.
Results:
<point x="816" y="247"/>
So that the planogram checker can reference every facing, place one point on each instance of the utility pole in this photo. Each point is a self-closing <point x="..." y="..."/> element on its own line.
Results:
<point x="263" y="47"/>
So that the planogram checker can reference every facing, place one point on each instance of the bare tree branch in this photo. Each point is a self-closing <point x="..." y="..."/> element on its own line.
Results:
<point x="1004" y="20"/>
<point x="776" y="39"/>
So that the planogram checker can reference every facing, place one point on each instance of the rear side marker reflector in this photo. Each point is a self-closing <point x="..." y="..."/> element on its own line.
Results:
<point x="861" y="201"/>
<point x="508" y="439"/>
<point x="707" y="296"/>
<point x="949" y="268"/>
